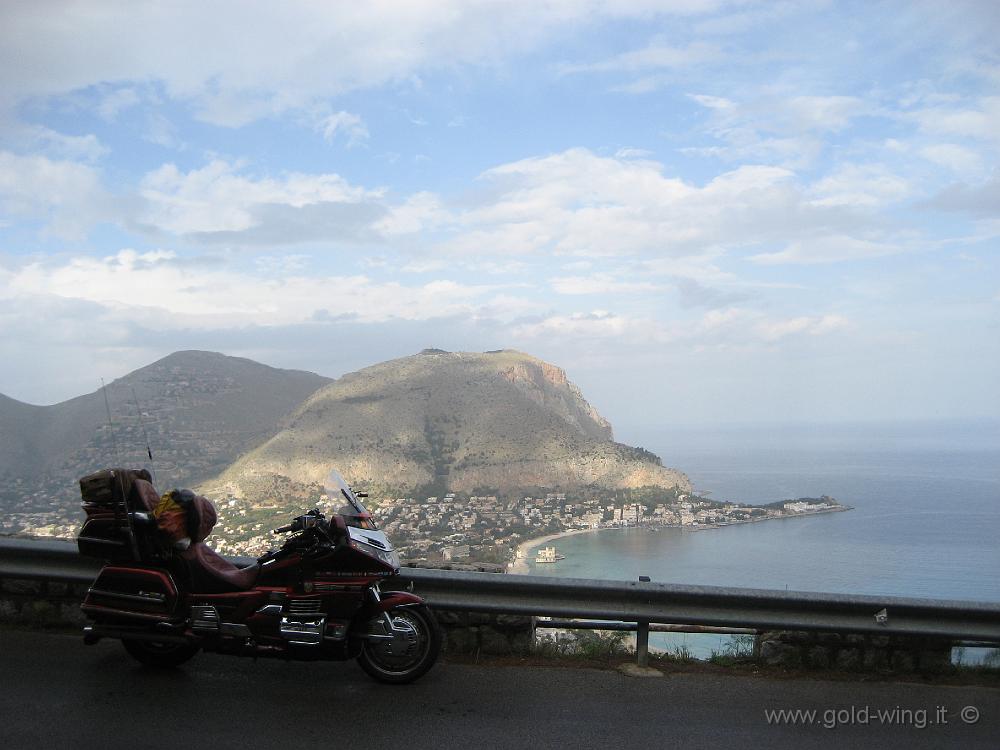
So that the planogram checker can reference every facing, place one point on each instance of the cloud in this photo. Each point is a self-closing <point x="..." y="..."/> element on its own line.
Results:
<point x="420" y="212"/>
<point x="233" y="66"/>
<point x="64" y="146"/>
<point x="343" y="124"/>
<point x="576" y="203"/>
<point x="161" y="131"/>
<point x="788" y="130"/>
<point x="219" y="199"/>
<point x="632" y="153"/>
<point x="601" y="284"/>
<point x="658" y="55"/>
<point x="162" y="290"/>
<point x="953" y="157"/>
<point x="573" y="203"/>
<point x="977" y="120"/>
<point x="116" y="101"/>
<point x="863" y="185"/>
<point x="982" y="199"/>
<point x="726" y="328"/>
<point x="829" y="249"/>
<point x="66" y="195"/>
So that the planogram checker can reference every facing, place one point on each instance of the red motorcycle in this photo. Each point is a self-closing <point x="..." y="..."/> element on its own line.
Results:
<point x="317" y="597"/>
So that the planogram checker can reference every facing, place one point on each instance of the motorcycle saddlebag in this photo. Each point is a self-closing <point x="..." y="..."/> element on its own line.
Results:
<point x="131" y="594"/>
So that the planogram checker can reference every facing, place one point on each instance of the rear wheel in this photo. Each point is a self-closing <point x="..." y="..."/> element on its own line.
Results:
<point x="412" y="649"/>
<point x="159" y="653"/>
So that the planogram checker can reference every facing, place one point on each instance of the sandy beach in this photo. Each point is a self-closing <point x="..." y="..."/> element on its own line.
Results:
<point x="525" y="548"/>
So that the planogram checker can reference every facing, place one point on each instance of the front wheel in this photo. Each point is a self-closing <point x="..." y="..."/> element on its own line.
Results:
<point x="159" y="653"/>
<point x="410" y="650"/>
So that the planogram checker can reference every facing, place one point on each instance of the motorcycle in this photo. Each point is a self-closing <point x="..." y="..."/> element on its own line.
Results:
<point x="317" y="597"/>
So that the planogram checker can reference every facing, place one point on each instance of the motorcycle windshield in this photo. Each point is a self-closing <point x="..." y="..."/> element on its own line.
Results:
<point x="337" y="489"/>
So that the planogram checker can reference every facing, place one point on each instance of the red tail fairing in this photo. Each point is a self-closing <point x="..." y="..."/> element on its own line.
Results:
<point x="131" y="593"/>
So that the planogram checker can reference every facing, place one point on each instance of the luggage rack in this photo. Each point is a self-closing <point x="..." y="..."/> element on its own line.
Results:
<point x="108" y="489"/>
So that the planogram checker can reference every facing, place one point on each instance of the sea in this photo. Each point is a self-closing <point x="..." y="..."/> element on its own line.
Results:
<point x="925" y="518"/>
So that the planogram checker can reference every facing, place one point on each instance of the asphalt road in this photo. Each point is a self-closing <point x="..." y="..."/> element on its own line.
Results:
<point x="57" y="693"/>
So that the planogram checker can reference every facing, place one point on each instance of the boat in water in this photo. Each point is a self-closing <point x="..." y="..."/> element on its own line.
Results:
<point x="548" y="555"/>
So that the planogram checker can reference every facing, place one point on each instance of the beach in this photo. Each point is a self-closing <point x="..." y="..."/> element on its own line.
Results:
<point x="525" y="548"/>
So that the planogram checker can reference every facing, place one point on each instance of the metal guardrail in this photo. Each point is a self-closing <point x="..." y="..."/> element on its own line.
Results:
<point x="639" y="601"/>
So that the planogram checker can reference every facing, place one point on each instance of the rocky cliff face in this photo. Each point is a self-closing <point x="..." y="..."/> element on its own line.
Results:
<point x="454" y="421"/>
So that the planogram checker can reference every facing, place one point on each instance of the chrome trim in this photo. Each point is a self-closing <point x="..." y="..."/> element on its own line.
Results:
<point x="304" y="606"/>
<point x="204" y="619"/>
<point x="142" y="596"/>
<point x="303" y="632"/>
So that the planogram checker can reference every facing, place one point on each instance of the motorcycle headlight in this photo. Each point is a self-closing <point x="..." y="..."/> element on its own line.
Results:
<point x="387" y="556"/>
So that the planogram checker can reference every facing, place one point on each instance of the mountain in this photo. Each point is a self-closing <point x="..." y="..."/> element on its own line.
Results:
<point x="441" y="421"/>
<point x="200" y="411"/>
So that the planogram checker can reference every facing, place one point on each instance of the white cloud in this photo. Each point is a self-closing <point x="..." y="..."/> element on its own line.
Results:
<point x="788" y="130"/>
<point x="865" y="185"/>
<point x="218" y="198"/>
<point x="578" y="204"/>
<point x="975" y="120"/>
<point x="419" y="212"/>
<point x="656" y="56"/>
<point x="166" y="292"/>
<point x="816" y="113"/>
<point x="632" y="153"/>
<point x="63" y="146"/>
<point x="601" y="284"/>
<point x="235" y="64"/>
<point x="345" y="124"/>
<point x="572" y="203"/>
<point x="954" y="157"/>
<point x="829" y="249"/>
<point x="66" y="195"/>
<point x="978" y="199"/>
<point x="581" y="205"/>
<point x="116" y="101"/>
<point x="783" y="114"/>
<point x="731" y="327"/>
<point x="161" y="131"/>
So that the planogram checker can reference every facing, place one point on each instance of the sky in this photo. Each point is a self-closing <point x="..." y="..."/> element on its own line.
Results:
<point x="705" y="211"/>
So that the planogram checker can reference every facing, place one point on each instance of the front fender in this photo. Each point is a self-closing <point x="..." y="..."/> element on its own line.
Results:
<point x="392" y="600"/>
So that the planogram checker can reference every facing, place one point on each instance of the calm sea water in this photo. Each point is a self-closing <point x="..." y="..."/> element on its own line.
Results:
<point x="925" y="521"/>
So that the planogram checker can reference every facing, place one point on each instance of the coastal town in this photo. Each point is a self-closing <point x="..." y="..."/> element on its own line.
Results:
<point x="486" y="529"/>
<point x="490" y="531"/>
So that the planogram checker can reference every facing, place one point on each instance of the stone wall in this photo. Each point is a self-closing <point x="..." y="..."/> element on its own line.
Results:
<point x="44" y="604"/>
<point x="854" y="652"/>
<point x="48" y="604"/>
<point x="499" y="635"/>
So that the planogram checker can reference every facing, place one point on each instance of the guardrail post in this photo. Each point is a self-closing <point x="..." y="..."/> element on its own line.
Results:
<point x="642" y="643"/>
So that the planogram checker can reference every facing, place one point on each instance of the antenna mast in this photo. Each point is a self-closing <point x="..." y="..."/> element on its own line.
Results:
<point x="145" y="435"/>
<point x="121" y="480"/>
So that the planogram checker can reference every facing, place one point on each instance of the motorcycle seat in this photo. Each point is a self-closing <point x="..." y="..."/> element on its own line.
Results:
<point x="211" y="573"/>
